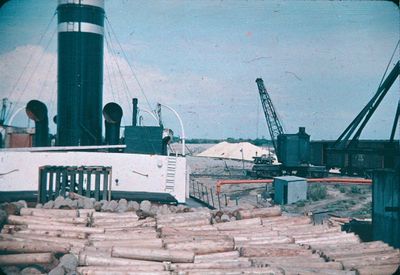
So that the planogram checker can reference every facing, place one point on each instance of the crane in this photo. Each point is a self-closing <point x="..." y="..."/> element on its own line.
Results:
<point x="274" y="125"/>
<point x="346" y="148"/>
<point x="292" y="150"/>
<point x="363" y="117"/>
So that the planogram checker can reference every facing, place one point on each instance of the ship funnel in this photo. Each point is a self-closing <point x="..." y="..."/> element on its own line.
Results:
<point x="80" y="72"/>
<point x="112" y="113"/>
<point x="37" y="111"/>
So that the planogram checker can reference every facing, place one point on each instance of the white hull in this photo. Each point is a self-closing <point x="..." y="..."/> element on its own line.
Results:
<point x="19" y="171"/>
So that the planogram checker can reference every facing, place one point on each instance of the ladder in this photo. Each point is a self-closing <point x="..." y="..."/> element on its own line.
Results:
<point x="171" y="171"/>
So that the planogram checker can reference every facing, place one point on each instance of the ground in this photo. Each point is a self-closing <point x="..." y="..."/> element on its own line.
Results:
<point x="343" y="200"/>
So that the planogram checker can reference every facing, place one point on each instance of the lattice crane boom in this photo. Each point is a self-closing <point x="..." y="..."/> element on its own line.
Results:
<point x="274" y="125"/>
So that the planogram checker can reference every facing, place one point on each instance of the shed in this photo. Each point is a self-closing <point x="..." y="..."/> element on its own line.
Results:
<point x="386" y="206"/>
<point x="290" y="189"/>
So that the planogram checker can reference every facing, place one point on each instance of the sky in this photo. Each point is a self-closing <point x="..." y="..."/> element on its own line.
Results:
<point x="321" y="62"/>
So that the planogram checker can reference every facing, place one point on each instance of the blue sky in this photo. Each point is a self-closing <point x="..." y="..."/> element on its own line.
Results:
<point x="321" y="62"/>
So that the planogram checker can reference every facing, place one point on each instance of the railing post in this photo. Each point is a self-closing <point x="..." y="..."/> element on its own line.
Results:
<point x="88" y="181"/>
<point x="97" y="184"/>
<point x="64" y="179"/>
<point x="42" y="198"/>
<point x="58" y="183"/>
<point x="208" y="199"/>
<point x="80" y="180"/>
<point x="212" y="198"/>
<point x="105" y="183"/>
<point x="51" y="183"/>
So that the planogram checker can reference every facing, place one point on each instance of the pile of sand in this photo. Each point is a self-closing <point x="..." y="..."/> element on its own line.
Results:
<point x="241" y="150"/>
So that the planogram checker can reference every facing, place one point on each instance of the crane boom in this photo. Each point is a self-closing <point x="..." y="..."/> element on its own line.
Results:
<point x="363" y="117"/>
<point x="274" y="125"/>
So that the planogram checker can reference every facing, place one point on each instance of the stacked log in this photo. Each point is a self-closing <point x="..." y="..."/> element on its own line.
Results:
<point x="367" y="258"/>
<point x="273" y="245"/>
<point x="37" y="235"/>
<point x="259" y="212"/>
<point x="192" y="232"/>
<point x="262" y="242"/>
<point x="117" y="249"/>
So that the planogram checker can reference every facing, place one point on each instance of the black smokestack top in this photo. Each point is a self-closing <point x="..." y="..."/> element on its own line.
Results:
<point x="135" y="111"/>
<point x="37" y="111"/>
<point x="80" y="72"/>
<point x="112" y="113"/>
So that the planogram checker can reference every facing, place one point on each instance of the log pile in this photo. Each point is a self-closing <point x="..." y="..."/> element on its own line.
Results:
<point x="367" y="258"/>
<point x="261" y="241"/>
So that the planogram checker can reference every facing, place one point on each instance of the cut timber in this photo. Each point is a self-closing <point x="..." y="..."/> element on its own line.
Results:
<point x="326" y="236"/>
<point x="56" y="233"/>
<point x="125" y="224"/>
<point x="186" y="223"/>
<point x="352" y="247"/>
<point x="354" y="253"/>
<point x="308" y="230"/>
<point x="240" y="224"/>
<point x="374" y="257"/>
<point x="276" y="251"/>
<point x="12" y="219"/>
<point x="44" y="239"/>
<point x="203" y="247"/>
<point x="88" y="260"/>
<point x="305" y="235"/>
<point x="237" y="263"/>
<point x="331" y="239"/>
<point x="70" y="228"/>
<point x="149" y="222"/>
<point x="236" y="271"/>
<point x="312" y="258"/>
<point x="259" y="212"/>
<point x="71" y="241"/>
<point x="194" y="238"/>
<point x="264" y="241"/>
<point x="183" y="217"/>
<point x="165" y="231"/>
<point x="32" y="247"/>
<point x="40" y="212"/>
<point x="285" y="222"/>
<point x="158" y="255"/>
<point x="124" y="272"/>
<point x="304" y="264"/>
<point x="216" y="256"/>
<point x="96" y="251"/>
<point x="255" y="234"/>
<point x="148" y="268"/>
<point x="26" y="259"/>
<point x="368" y="262"/>
<point x="115" y="222"/>
<point x="108" y="215"/>
<point x="259" y="238"/>
<point x="378" y="270"/>
<point x="314" y="271"/>
<point x="149" y="243"/>
<point x="125" y="236"/>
